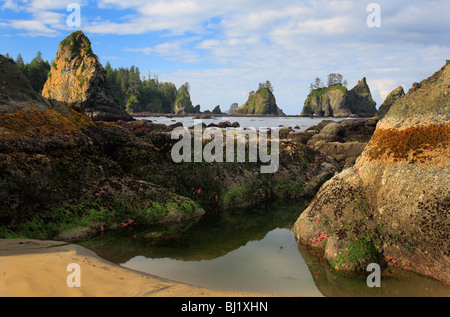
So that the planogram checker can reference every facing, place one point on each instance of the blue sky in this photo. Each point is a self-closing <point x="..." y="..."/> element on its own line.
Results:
<point x="224" y="48"/>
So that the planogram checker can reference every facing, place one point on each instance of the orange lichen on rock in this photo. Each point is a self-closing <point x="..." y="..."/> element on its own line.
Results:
<point x="409" y="144"/>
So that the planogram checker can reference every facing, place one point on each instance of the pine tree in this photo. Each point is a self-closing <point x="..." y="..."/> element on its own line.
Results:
<point x="37" y="72"/>
<point x="19" y="62"/>
<point x="318" y="83"/>
<point x="334" y="79"/>
<point x="268" y="85"/>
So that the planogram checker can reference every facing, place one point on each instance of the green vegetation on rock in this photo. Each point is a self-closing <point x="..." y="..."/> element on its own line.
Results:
<point x="261" y="102"/>
<point x="336" y="101"/>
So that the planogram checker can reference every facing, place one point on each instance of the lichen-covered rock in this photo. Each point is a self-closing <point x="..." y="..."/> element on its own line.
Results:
<point x="389" y="101"/>
<point x="395" y="202"/>
<point x="262" y="102"/>
<point x="337" y="101"/>
<point x="30" y="123"/>
<point x="78" y="79"/>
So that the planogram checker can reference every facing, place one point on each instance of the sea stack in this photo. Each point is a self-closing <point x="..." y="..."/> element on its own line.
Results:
<point x="337" y="101"/>
<point x="393" y="206"/>
<point x="78" y="79"/>
<point x="262" y="102"/>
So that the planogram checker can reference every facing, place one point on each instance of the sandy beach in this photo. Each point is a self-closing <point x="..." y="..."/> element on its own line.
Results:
<point x="34" y="268"/>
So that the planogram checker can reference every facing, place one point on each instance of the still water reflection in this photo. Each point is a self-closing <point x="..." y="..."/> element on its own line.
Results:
<point x="271" y="265"/>
<point x="253" y="251"/>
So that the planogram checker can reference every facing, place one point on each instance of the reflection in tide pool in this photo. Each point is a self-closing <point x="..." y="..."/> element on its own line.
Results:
<point x="249" y="251"/>
<point x="271" y="265"/>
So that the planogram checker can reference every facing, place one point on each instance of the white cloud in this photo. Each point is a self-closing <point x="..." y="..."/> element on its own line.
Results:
<point x="11" y="5"/>
<point x="382" y="87"/>
<point x="175" y="50"/>
<point x="47" y="17"/>
<point x="33" y="28"/>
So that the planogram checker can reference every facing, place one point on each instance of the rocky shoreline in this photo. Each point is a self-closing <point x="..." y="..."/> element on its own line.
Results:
<point x="379" y="187"/>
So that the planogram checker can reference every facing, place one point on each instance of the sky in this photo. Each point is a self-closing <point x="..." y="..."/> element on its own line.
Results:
<point x="225" y="48"/>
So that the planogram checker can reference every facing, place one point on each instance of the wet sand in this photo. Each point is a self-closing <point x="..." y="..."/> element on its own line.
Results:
<point x="35" y="268"/>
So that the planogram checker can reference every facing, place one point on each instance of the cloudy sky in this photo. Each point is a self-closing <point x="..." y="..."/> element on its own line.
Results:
<point x="224" y="48"/>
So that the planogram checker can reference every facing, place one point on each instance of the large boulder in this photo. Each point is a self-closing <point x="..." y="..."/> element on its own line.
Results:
<point x="393" y="206"/>
<point x="217" y="110"/>
<point x="78" y="79"/>
<point x="57" y="166"/>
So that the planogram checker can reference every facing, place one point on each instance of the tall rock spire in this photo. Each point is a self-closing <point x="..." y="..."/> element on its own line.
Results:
<point x="78" y="79"/>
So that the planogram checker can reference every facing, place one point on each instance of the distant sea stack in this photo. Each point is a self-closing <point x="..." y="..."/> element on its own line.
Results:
<point x="389" y="101"/>
<point x="183" y="103"/>
<point x="337" y="101"/>
<point x="393" y="206"/>
<point x="262" y="102"/>
<point x="233" y="108"/>
<point x="78" y="79"/>
<point x="217" y="110"/>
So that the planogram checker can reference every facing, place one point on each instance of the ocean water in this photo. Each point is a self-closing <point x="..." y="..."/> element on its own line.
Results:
<point x="302" y="123"/>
